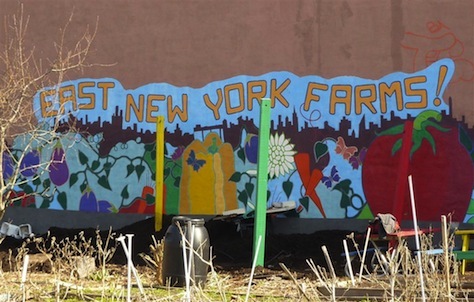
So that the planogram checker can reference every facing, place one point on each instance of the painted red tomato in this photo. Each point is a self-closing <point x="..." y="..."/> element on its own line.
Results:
<point x="443" y="176"/>
<point x="22" y="199"/>
<point x="145" y="204"/>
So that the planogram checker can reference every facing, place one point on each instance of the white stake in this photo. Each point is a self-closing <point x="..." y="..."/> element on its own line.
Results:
<point x="364" y="253"/>
<point x="329" y="262"/>
<point x="417" y="237"/>
<point x="129" y="266"/>
<point x="444" y="235"/>
<point x="26" y="260"/>
<point x="253" y="268"/>
<point x="185" y="264"/>
<point x="128" y="254"/>
<point x="190" y="270"/>
<point x="348" y="259"/>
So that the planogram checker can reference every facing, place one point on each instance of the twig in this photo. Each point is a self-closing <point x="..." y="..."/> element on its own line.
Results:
<point x="300" y="289"/>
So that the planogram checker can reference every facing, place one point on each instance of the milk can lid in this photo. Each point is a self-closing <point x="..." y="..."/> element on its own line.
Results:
<point x="197" y="221"/>
<point x="179" y="220"/>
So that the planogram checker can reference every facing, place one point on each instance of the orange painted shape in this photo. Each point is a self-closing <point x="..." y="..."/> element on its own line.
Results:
<point x="310" y="181"/>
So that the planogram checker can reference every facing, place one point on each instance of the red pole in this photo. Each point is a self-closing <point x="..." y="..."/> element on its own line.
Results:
<point x="403" y="165"/>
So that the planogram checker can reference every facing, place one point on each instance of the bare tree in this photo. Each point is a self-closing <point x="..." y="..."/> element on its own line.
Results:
<point x="21" y="76"/>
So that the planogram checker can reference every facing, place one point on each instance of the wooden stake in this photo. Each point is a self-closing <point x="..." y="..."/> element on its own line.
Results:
<point x="364" y="253"/>
<point x="444" y="234"/>
<point x="348" y="259"/>
<point x="417" y="236"/>
<point x="262" y="182"/>
<point x="328" y="261"/>
<point x="160" y="155"/>
<point x="401" y="185"/>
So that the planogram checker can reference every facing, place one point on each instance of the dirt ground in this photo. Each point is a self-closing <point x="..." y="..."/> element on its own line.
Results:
<point x="232" y="258"/>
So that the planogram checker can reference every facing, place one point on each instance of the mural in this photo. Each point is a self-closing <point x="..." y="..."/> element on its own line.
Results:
<point x="336" y="145"/>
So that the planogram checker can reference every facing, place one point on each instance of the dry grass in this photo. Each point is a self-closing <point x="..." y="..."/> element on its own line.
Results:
<point x="59" y="280"/>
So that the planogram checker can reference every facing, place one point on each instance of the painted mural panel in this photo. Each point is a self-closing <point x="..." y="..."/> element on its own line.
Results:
<point x="338" y="146"/>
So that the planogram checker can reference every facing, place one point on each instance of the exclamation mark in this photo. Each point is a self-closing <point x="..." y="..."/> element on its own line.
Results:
<point x="443" y="70"/>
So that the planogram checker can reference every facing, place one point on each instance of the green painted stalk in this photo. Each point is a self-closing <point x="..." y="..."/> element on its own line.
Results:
<point x="262" y="183"/>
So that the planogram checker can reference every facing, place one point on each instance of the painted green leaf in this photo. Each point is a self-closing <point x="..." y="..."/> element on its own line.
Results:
<point x="150" y="199"/>
<point x="213" y="149"/>
<point x="130" y="169"/>
<point x="73" y="179"/>
<point x="304" y="201"/>
<point x="45" y="203"/>
<point x="470" y="209"/>
<point x="103" y="181"/>
<point x="241" y="155"/>
<point x="36" y="181"/>
<point x="287" y="188"/>
<point x="418" y="137"/>
<point x="83" y="186"/>
<point x="83" y="158"/>
<point x="343" y="186"/>
<point x="419" y="122"/>
<point x="62" y="199"/>
<point x="107" y="167"/>
<point x="140" y="169"/>
<point x="249" y="187"/>
<point x="124" y="194"/>
<point x="46" y="183"/>
<point x="320" y="149"/>
<point x="243" y="197"/>
<point x="394" y="130"/>
<point x="466" y="141"/>
<point x="95" y="165"/>
<point x="236" y="177"/>
<point x="27" y="189"/>
<point x="396" y="146"/>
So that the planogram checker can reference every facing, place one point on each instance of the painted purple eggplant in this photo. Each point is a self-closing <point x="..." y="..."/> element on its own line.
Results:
<point x="103" y="206"/>
<point x="251" y="148"/>
<point x="7" y="166"/>
<point x="88" y="202"/>
<point x="29" y="164"/>
<point x="58" y="170"/>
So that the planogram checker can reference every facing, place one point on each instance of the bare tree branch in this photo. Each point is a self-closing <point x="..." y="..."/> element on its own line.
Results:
<point x="21" y="77"/>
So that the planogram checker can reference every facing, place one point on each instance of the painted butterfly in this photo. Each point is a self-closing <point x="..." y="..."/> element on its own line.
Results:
<point x="341" y="148"/>
<point x="332" y="179"/>
<point x="196" y="163"/>
<point x="357" y="160"/>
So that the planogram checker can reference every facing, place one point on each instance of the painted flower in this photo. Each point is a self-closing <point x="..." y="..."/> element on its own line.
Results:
<point x="280" y="159"/>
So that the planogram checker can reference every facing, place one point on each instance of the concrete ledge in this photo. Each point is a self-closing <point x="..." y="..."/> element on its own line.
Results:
<point x="41" y="220"/>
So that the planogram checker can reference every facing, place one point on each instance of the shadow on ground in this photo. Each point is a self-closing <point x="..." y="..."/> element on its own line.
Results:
<point x="231" y="249"/>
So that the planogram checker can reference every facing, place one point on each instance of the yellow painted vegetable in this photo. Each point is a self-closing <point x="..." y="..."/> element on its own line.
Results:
<point x="205" y="187"/>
